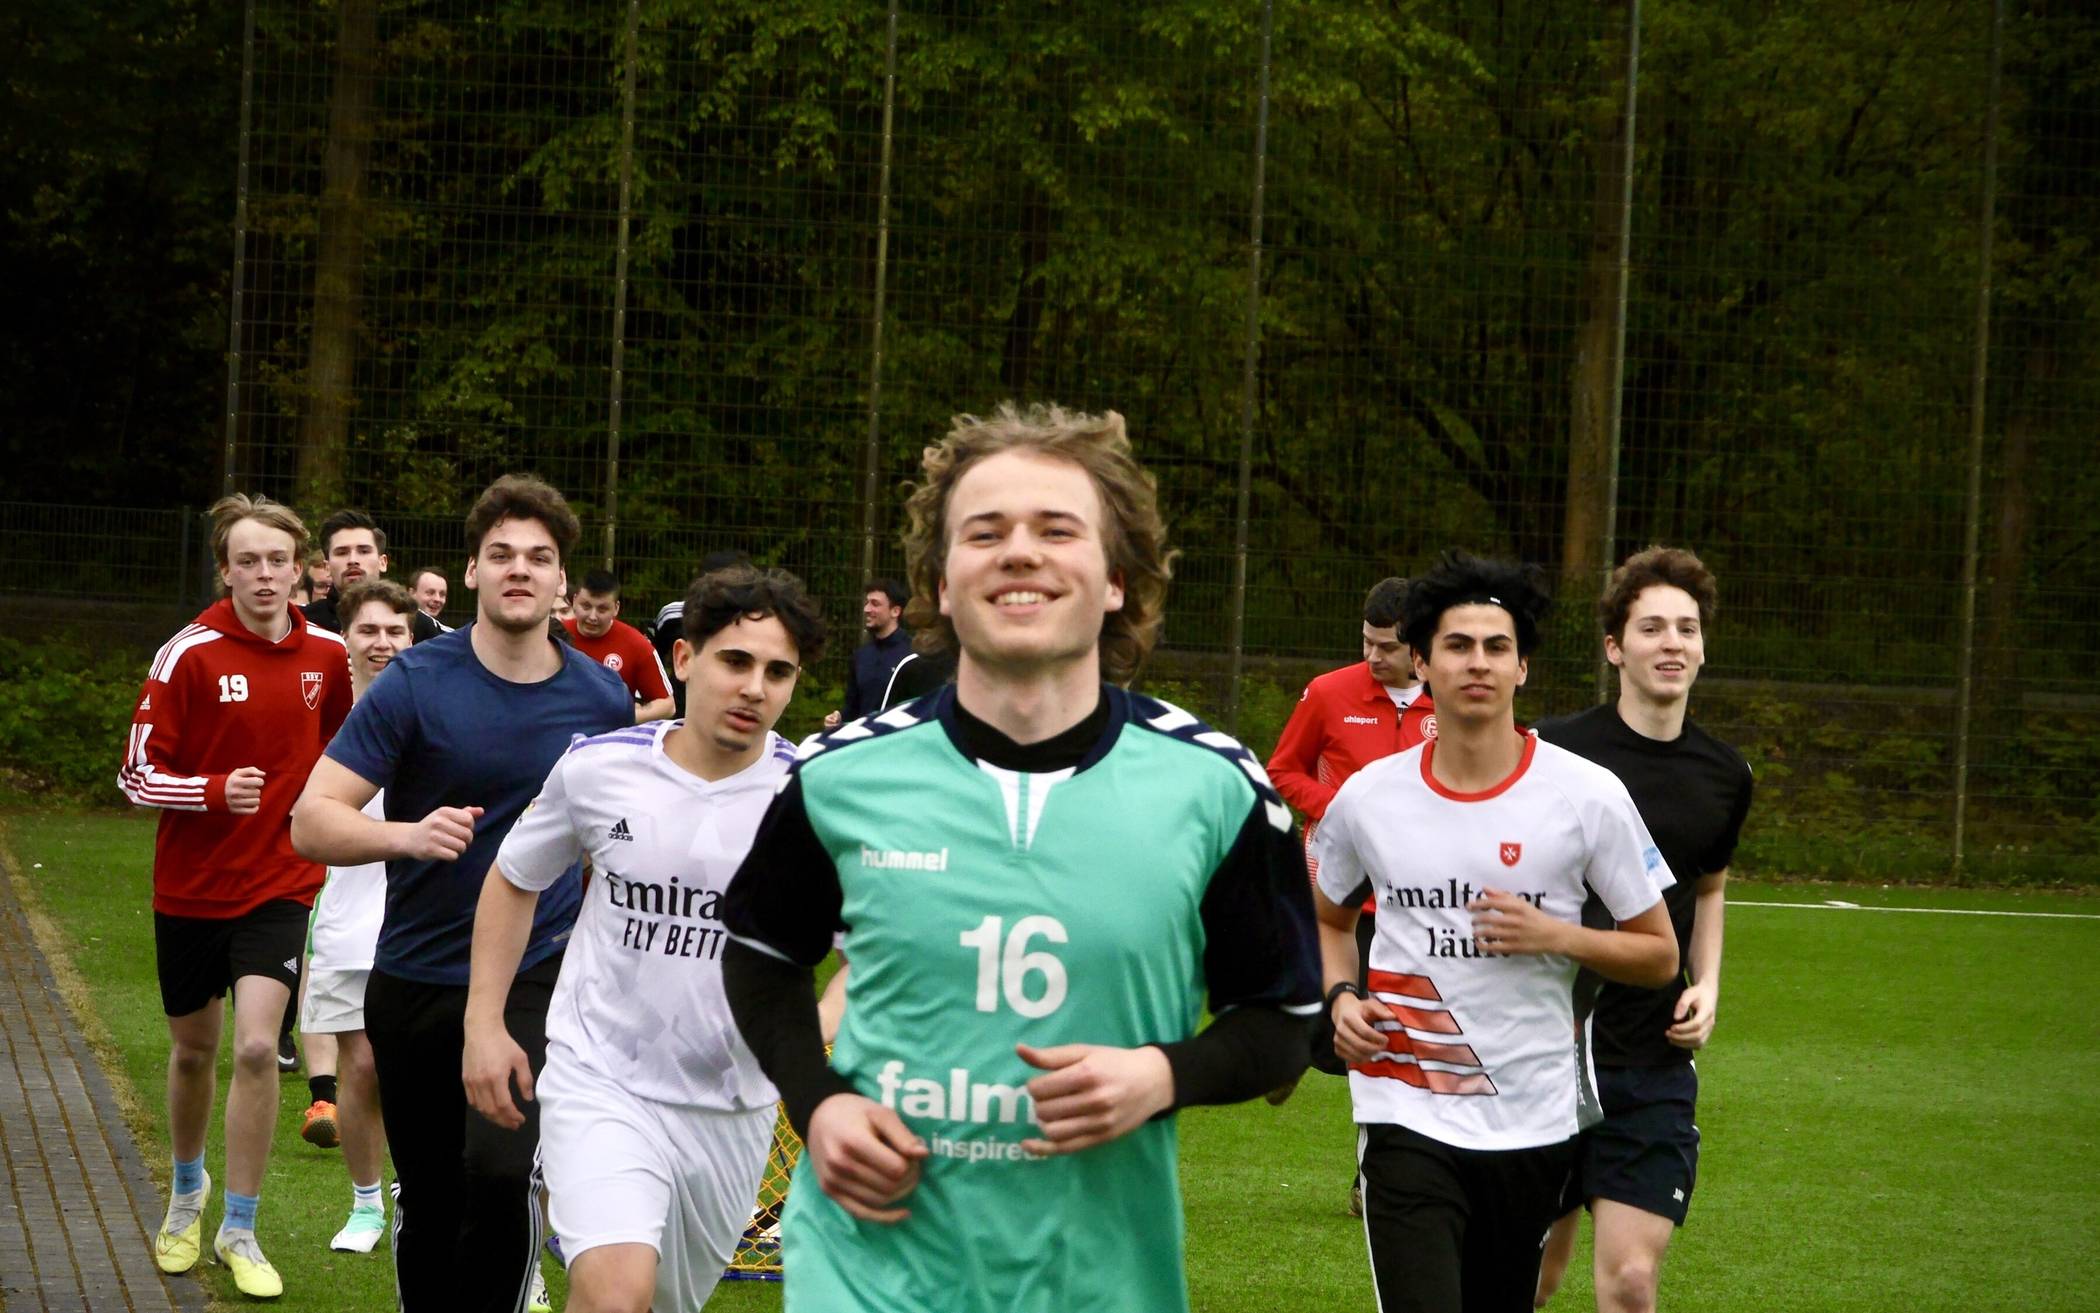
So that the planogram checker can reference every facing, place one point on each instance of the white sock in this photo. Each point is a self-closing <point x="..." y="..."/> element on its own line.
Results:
<point x="367" y="1196"/>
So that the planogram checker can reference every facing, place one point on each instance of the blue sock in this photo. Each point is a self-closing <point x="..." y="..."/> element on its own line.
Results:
<point x="240" y="1212"/>
<point x="367" y="1196"/>
<point x="189" y="1176"/>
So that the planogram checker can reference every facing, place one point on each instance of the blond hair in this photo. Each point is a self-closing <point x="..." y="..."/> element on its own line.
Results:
<point x="1133" y="532"/>
<point x="235" y="507"/>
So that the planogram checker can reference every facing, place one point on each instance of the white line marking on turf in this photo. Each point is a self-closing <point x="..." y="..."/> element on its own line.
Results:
<point x="1834" y="905"/>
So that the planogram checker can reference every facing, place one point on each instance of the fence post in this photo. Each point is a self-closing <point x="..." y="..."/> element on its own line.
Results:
<point x="1972" y="511"/>
<point x="871" y="455"/>
<point x="1607" y="554"/>
<point x="240" y="251"/>
<point x="619" y="326"/>
<point x="1250" y="399"/>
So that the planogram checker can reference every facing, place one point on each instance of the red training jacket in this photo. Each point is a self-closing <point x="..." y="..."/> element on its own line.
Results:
<point x="218" y="698"/>
<point x="1344" y="721"/>
<point x="627" y="654"/>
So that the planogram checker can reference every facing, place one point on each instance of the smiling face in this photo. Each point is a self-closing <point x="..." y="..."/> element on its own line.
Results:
<point x="1472" y="664"/>
<point x="431" y="591"/>
<point x="516" y="575"/>
<point x="1026" y="583"/>
<point x="879" y="613"/>
<point x="375" y="636"/>
<point x="354" y="554"/>
<point x="1660" y="653"/>
<point x="261" y="567"/>
<point x="737" y="683"/>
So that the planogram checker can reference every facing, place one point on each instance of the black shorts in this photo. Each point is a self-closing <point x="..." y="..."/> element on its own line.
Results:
<point x="1453" y="1228"/>
<point x="200" y="958"/>
<point x="1645" y="1153"/>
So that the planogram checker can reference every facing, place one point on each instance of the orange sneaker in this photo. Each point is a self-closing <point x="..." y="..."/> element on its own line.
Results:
<point x="320" y="1129"/>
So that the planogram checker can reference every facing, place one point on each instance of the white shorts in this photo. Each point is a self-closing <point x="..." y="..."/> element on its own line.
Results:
<point x="335" y="1001"/>
<point x="626" y="1170"/>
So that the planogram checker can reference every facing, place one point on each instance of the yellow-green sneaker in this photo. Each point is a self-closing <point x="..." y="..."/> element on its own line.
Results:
<point x="252" y="1274"/>
<point x="181" y="1239"/>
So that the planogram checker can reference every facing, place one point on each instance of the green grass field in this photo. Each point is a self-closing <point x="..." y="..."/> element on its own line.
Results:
<point x="1901" y="1112"/>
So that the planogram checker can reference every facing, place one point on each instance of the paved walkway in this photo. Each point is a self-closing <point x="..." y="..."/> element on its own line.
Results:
<point x="77" y="1208"/>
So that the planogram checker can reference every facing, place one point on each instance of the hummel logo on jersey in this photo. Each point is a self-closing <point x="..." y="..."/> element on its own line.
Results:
<point x="1511" y="852"/>
<point x="883" y="859"/>
<point x="621" y="832"/>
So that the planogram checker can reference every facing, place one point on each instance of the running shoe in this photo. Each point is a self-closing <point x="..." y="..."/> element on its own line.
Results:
<point x="181" y="1239"/>
<point x="320" y="1129"/>
<point x="287" y="1053"/>
<point x="252" y="1274"/>
<point x="537" y="1301"/>
<point x="360" y="1235"/>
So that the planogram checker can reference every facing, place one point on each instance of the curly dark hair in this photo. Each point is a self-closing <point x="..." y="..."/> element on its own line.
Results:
<point x="523" y="497"/>
<point x="1673" y="567"/>
<point x="719" y="598"/>
<point x="1462" y="579"/>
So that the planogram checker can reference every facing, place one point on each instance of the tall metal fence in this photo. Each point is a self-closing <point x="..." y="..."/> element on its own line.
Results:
<point x="1806" y="287"/>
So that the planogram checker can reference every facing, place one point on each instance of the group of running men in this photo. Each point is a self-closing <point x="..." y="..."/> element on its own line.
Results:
<point x="1042" y="881"/>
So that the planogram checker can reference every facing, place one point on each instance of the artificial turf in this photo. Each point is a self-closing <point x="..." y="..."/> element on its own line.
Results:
<point x="1901" y="1111"/>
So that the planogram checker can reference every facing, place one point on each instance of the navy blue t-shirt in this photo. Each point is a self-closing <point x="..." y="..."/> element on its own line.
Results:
<point x="437" y="729"/>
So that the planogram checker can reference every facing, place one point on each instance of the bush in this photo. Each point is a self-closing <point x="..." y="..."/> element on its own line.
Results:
<point x="65" y="709"/>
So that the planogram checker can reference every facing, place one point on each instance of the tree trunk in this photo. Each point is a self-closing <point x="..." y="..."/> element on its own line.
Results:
<point x="2011" y="526"/>
<point x="1596" y="363"/>
<point x="331" y="362"/>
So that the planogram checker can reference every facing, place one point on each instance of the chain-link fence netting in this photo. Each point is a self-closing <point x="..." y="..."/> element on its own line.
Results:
<point x="1810" y="290"/>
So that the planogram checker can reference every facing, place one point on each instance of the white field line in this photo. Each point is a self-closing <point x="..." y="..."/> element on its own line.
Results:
<point x="1836" y="906"/>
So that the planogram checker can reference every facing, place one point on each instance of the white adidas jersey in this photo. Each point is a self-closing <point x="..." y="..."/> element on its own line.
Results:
<point x="349" y="909"/>
<point x="640" y="998"/>
<point x="1484" y="1054"/>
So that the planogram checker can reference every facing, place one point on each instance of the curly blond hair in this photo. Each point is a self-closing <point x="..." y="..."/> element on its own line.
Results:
<point x="1133" y="532"/>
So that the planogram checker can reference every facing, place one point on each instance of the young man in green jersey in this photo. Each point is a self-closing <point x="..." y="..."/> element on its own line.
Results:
<point x="1041" y="879"/>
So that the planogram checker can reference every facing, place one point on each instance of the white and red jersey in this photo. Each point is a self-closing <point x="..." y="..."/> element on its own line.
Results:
<point x="349" y="909"/>
<point x="627" y="653"/>
<point x="1483" y="1054"/>
<point x="640" y="999"/>
<point x="219" y="697"/>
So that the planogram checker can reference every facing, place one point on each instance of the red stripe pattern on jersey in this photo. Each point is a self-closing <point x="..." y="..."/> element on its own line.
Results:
<point x="1417" y="1006"/>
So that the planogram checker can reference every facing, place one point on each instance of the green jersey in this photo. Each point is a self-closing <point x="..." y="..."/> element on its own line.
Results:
<point x="984" y="908"/>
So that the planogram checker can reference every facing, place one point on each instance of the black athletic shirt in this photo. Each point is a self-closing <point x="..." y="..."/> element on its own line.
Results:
<point x="1693" y="793"/>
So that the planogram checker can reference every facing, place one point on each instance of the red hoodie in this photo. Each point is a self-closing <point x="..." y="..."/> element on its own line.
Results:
<point x="218" y="698"/>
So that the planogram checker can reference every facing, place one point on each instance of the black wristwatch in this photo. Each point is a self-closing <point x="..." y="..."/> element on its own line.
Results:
<point x="1346" y="987"/>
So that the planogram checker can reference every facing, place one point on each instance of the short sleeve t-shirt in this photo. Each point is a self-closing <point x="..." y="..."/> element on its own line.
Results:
<point x="347" y="914"/>
<point x="1483" y="1054"/>
<point x="1693" y="792"/>
<point x="985" y="907"/>
<point x="626" y="652"/>
<point x="439" y="729"/>
<point x="640" y="999"/>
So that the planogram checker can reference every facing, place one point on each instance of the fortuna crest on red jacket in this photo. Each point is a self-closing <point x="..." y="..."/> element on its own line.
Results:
<point x="1511" y="852"/>
<point x="310" y="688"/>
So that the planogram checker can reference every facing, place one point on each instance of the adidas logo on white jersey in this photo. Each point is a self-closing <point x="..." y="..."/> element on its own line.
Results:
<point x="620" y="831"/>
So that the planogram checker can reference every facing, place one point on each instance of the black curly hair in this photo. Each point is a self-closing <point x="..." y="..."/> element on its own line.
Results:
<point x="1462" y="579"/>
